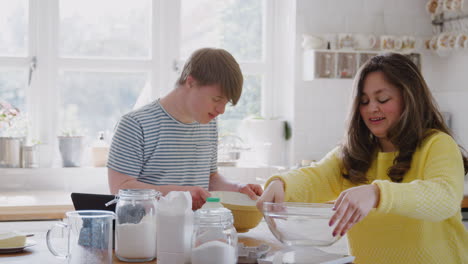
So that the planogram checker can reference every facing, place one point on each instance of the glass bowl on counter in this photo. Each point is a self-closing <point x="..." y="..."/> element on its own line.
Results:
<point x="300" y="224"/>
<point x="302" y="227"/>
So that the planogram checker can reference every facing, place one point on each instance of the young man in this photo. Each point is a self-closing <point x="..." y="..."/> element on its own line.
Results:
<point x="171" y="144"/>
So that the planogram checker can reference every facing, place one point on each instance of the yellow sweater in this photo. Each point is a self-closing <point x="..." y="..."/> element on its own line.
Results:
<point x="416" y="221"/>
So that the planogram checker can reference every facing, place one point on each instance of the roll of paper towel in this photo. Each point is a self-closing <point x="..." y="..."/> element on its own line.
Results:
<point x="266" y="138"/>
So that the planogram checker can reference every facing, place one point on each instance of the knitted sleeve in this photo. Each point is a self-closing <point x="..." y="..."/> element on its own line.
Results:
<point x="318" y="183"/>
<point x="437" y="194"/>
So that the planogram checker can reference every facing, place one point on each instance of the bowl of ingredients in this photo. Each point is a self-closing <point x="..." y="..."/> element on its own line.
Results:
<point x="244" y="210"/>
<point x="301" y="224"/>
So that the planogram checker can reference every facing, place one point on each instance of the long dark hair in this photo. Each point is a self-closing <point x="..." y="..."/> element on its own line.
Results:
<point x="419" y="117"/>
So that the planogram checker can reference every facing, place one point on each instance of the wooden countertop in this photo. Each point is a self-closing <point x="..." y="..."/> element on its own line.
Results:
<point x="37" y="205"/>
<point x="465" y="202"/>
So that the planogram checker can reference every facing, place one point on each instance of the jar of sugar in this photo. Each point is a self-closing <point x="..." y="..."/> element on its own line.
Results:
<point x="135" y="226"/>
<point x="214" y="237"/>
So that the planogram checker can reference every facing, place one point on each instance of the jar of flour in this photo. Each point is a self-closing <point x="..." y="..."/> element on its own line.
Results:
<point x="214" y="237"/>
<point x="135" y="227"/>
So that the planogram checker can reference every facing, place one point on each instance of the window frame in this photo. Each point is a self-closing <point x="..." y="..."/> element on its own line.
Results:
<point x="42" y="96"/>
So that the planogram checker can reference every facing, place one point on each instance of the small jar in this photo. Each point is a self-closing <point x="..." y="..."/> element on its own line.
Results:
<point x="135" y="228"/>
<point x="29" y="157"/>
<point x="214" y="237"/>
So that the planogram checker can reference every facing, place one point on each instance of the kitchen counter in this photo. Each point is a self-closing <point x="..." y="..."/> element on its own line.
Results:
<point x="43" y="205"/>
<point x="34" y="205"/>
<point x="465" y="202"/>
<point x="40" y="254"/>
<point x="465" y="198"/>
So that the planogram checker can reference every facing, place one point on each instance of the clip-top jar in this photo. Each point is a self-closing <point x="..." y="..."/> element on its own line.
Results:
<point x="135" y="229"/>
<point x="214" y="239"/>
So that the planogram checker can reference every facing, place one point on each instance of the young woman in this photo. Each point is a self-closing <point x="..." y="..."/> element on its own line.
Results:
<point x="397" y="177"/>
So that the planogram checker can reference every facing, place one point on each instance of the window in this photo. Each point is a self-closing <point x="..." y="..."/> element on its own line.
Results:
<point x="94" y="101"/>
<point x="13" y="85"/>
<point x="90" y="28"/>
<point x="14" y="21"/>
<point x="14" y="27"/>
<point x="94" y="61"/>
<point x="239" y="27"/>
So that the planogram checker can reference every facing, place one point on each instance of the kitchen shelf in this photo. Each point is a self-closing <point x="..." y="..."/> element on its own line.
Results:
<point x="340" y="64"/>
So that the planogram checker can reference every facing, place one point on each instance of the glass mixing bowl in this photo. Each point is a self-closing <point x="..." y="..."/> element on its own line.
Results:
<point x="300" y="224"/>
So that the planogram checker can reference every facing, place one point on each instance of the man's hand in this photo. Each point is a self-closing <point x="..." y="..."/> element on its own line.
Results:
<point x="199" y="196"/>
<point x="252" y="190"/>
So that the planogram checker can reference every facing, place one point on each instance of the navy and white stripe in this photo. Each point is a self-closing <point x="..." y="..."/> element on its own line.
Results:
<point x="157" y="149"/>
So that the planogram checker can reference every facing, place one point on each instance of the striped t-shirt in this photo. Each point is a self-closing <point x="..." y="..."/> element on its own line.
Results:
<point x="151" y="145"/>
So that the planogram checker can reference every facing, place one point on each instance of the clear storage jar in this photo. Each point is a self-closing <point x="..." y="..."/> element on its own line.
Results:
<point x="135" y="229"/>
<point x="214" y="237"/>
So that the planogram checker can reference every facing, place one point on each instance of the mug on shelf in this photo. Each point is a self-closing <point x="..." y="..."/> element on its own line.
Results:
<point x="446" y="40"/>
<point x="387" y="42"/>
<point x="434" y="7"/>
<point x="398" y="44"/>
<point x="457" y="5"/>
<point x="408" y="43"/>
<point x="448" y="5"/>
<point x="390" y="42"/>
<point x="433" y="43"/>
<point x="461" y="41"/>
<point x="345" y="41"/>
<point x="313" y="42"/>
<point x="364" y="41"/>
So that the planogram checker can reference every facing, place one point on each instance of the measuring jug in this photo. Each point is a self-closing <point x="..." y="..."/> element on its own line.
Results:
<point x="89" y="235"/>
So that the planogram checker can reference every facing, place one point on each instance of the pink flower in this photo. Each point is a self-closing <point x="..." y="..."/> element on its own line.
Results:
<point x="7" y="113"/>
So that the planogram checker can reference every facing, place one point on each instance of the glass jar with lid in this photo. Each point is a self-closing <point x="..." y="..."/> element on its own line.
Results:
<point x="135" y="227"/>
<point x="214" y="237"/>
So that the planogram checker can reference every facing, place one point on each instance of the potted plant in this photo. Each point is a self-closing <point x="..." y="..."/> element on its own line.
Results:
<point x="13" y="130"/>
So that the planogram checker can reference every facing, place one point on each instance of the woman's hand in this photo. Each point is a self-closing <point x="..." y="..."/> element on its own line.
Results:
<point x="273" y="193"/>
<point x="353" y="205"/>
<point x="252" y="190"/>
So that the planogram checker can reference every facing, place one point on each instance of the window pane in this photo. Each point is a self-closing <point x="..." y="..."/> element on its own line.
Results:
<point x="13" y="86"/>
<point x="235" y="25"/>
<point x="105" y="28"/>
<point x="93" y="102"/>
<point x="14" y="28"/>
<point x="248" y="105"/>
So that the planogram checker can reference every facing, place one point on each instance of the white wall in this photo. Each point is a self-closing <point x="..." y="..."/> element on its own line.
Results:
<point x="320" y="106"/>
<point x="451" y="91"/>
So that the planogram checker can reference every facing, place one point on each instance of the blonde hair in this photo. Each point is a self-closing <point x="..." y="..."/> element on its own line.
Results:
<point x="210" y="66"/>
<point x="419" y="117"/>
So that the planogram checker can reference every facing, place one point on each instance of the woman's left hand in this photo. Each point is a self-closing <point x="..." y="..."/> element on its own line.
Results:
<point x="353" y="205"/>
